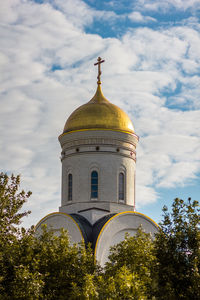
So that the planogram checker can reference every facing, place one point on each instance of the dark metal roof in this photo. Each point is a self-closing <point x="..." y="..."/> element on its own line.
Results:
<point x="96" y="228"/>
<point x="85" y="227"/>
<point x="90" y="233"/>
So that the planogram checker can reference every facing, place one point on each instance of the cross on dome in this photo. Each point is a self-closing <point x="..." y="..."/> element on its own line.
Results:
<point x="99" y="62"/>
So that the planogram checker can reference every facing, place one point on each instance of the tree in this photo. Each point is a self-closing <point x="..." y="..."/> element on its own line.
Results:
<point x="44" y="267"/>
<point x="11" y="201"/>
<point x="64" y="268"/>
<point x="177" y="248"/>
<point x="140" y="267"/>
<point x="130" y="272"/>
<point x="164" y="268"/>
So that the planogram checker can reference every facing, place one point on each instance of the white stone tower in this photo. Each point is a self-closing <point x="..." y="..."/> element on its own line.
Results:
<point x="98" y="160"/>
<point x="98" y="176"/>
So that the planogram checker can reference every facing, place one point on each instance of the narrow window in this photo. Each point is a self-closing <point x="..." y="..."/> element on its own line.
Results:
<point x="70" y="187"/>
<point x="121" y="186"/>
<point x="94" y="185"/>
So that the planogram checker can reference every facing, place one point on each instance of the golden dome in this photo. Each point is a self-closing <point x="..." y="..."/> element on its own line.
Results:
<point x="99" y="113"/>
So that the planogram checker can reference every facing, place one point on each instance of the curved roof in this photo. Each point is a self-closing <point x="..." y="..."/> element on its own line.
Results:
<point x="99" y="113"/>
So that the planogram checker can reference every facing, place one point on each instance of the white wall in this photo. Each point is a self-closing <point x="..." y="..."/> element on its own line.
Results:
<point x="116" y="153"/>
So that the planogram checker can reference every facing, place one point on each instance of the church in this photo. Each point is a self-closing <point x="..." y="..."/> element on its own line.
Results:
<point x="98" y="177"/>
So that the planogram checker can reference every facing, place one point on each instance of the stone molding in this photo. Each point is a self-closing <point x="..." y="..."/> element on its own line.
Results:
<point x="97" y="137"/>
<point x="133" y="157"/>
<point x="98" y="141"/>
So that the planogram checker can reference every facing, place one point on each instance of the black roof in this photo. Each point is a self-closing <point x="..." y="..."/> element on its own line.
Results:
<point x="91" y="232"/>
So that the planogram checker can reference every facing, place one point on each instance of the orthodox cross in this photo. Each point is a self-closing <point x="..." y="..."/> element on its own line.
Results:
<point x="99" y="62"/>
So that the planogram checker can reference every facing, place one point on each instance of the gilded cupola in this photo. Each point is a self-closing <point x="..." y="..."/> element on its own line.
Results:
<point x="99" y="114"/>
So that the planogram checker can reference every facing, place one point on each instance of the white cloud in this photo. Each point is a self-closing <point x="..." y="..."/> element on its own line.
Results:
<point x="179" y="173"/>
<point x="165" y="5"/>
<point x="143" y="73"/>
<point x="136" y="16"/>
<point x="146" y="194"/>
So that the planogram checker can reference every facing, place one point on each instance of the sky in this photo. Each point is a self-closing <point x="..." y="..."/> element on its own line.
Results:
<point x="152" y="71"/>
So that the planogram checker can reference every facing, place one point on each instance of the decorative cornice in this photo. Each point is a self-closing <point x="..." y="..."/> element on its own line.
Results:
<point x="98" y="129"/>
<point x="88" y="141"/>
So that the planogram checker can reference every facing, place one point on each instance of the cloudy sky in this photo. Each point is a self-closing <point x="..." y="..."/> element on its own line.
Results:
<point x="152" y="71"/>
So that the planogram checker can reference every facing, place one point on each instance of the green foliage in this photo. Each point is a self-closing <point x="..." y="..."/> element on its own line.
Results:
<point x="48" y="267"/>
<point x="63" y="266"/>
<point x="130" y="273"/>
<point x="124" y="284"/>
<point x="44" y="267"/>
<point x="11" y="203"/>
<point x="177" y="248"/>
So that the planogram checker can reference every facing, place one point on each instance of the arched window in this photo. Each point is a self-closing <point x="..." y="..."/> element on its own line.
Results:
<point x="121" y="187"/>
<point x="94" y="185"/>
<point x="70" y="187"/>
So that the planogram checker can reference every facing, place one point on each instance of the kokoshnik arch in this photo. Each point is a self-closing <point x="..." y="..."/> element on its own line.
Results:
<point x="98" y="176"/>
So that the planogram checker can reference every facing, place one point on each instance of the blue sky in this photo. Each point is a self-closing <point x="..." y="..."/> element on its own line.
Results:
<point x="152" y="71"/>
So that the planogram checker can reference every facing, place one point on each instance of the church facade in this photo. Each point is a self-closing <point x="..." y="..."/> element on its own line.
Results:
<point x="98" y="177"/>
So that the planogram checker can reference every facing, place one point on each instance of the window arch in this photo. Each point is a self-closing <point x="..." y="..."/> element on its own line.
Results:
<point x="94" y="185"/>
<point x="121" y="186"/>
<point x="70" y="187"/>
